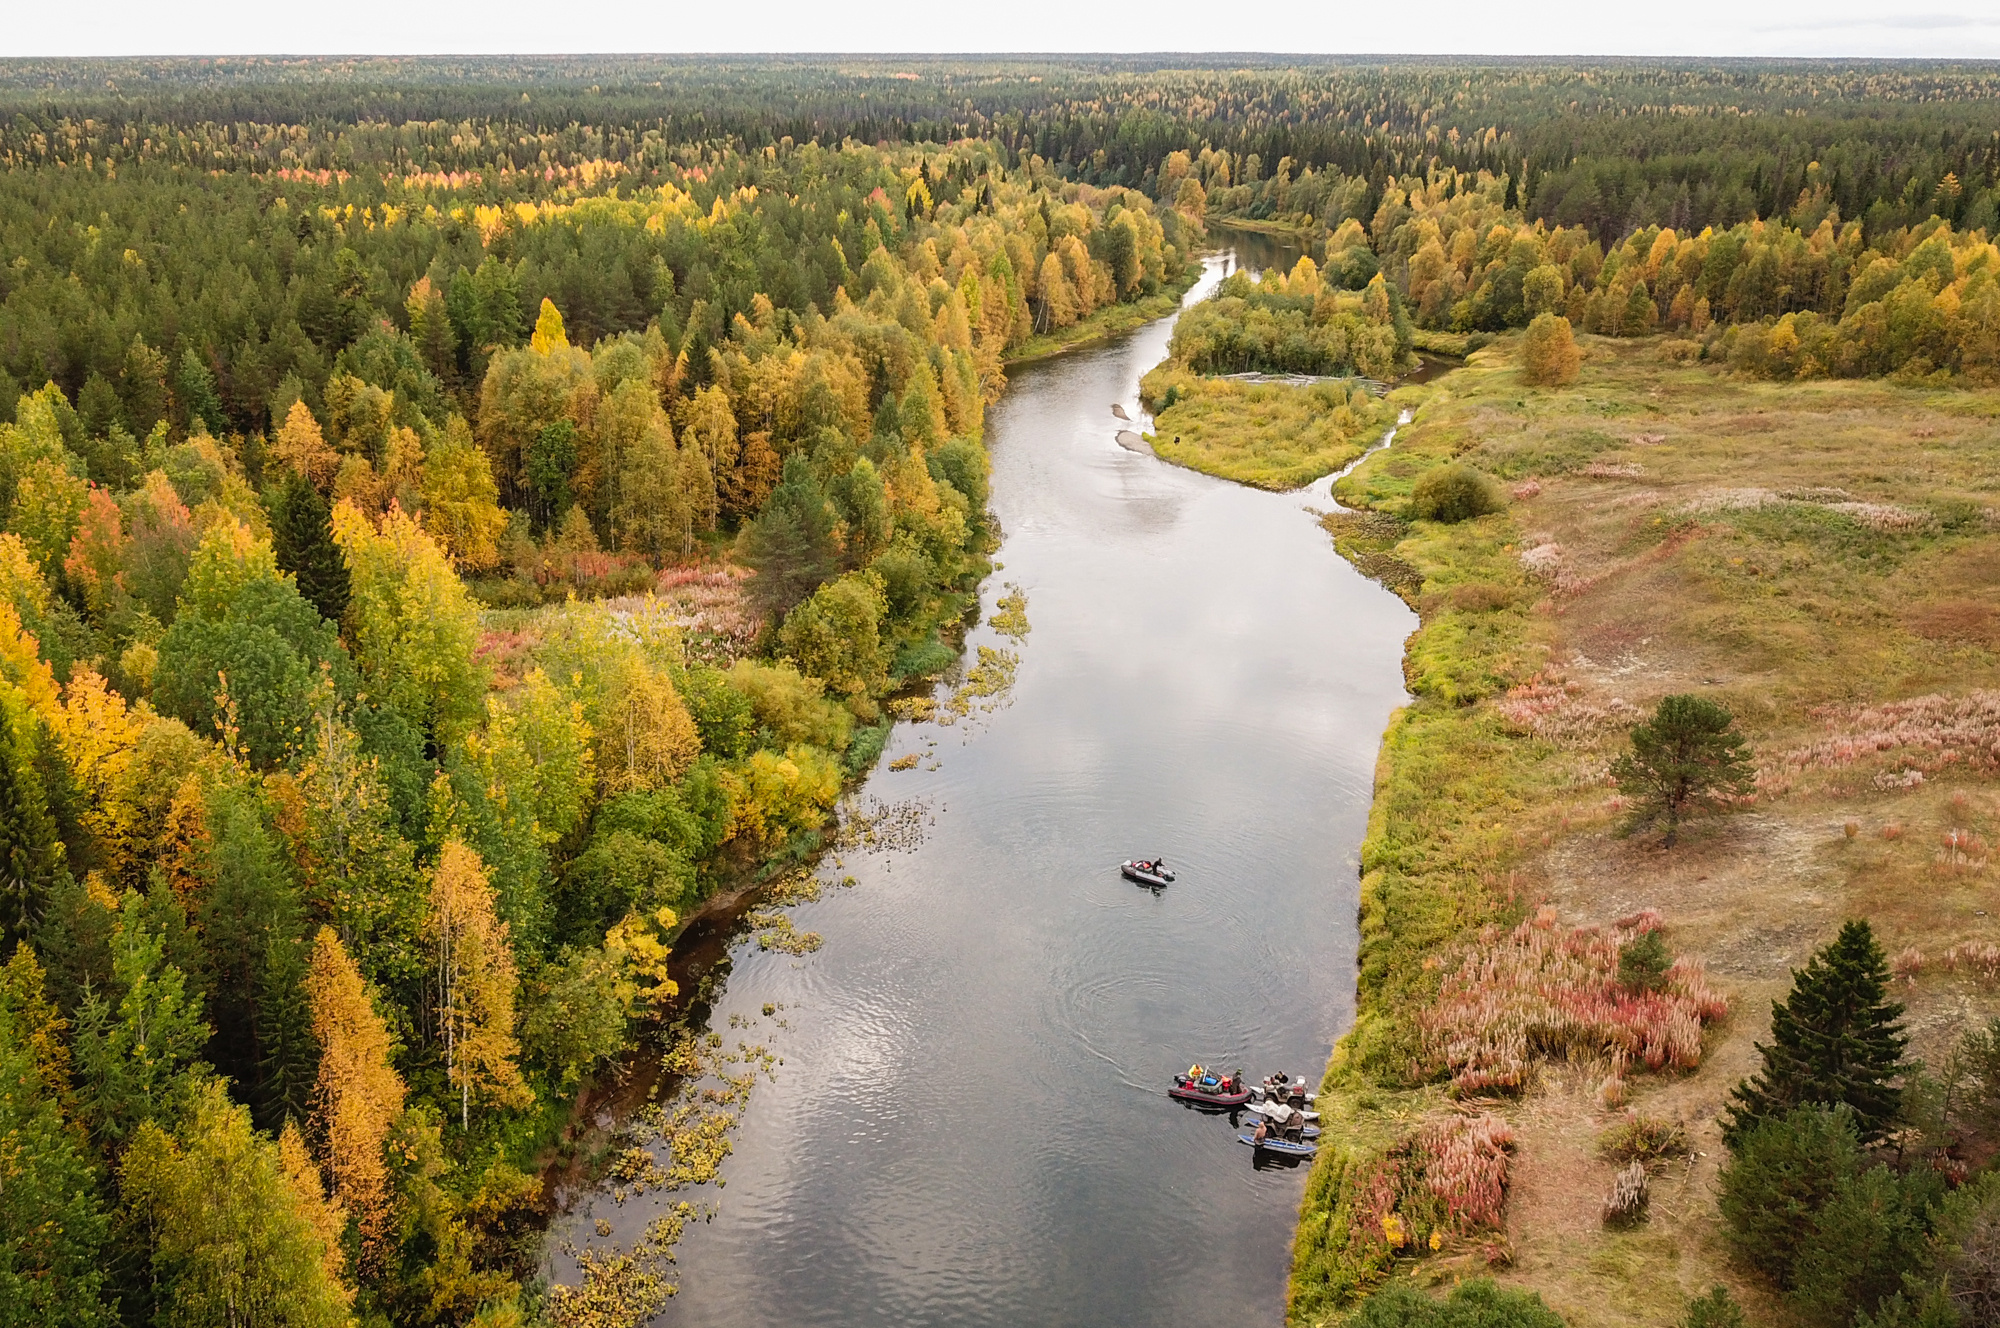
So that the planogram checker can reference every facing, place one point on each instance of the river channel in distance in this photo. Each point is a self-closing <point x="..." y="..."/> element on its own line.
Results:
<point x="970" y="1126"/>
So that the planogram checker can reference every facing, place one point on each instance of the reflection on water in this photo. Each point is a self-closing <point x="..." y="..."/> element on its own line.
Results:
<point x="970" y="1125"/>
<point x="1253" y="251"/>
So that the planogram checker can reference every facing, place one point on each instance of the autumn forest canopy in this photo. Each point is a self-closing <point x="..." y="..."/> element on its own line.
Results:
<point x="458" y="516"/>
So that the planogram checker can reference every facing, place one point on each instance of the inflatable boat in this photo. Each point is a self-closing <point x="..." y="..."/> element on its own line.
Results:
<point x="1146" y="873"/>
<point x="1270" y="1109"/>
<point x="1207" y="1095"/>
<point x="1283" y="1147"/>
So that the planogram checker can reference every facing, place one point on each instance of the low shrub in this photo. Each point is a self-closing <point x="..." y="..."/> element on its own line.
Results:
<point x="1454" y="492"/>
<point x="928" y="658"/>
<point x="1642" y="1139"/>
<point x="1643" y="962"/>
<point x="1479" y="1303"/>
<point x="1717" y="1309"/>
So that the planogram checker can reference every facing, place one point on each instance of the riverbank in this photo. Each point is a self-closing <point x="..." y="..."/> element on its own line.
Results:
<point x="1114" y="320"/>
<point x="1302" y="236"/>
<point x="1809" y="555"/>
<point x="1001" y="958"/>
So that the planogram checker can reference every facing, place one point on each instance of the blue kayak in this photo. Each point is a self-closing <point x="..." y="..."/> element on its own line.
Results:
<point x="1276" y="1145"/>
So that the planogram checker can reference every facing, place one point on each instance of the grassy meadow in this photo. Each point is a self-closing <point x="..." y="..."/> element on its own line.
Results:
<point x="1823" y="559"/>
<point x="1270" y="435"/>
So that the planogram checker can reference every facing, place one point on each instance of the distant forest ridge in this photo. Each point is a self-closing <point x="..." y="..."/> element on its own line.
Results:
<point x="1613" y="145"/>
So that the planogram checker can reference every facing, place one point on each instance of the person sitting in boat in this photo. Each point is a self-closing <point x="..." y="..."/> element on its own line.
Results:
<point x="1194" y="1074"/>
<point x="1262" y="1132"/>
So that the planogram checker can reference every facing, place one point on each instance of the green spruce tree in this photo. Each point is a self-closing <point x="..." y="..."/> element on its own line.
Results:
<point x="31" y="853"/>
<point x="1836" y="1040"/>
<point x="302" y="537"/>
<point x="194" y="389"/>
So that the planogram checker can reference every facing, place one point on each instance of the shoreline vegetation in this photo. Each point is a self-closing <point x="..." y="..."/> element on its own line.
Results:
<point x="1816" y="558"/>
<point x="1104" y="324"/>
<point x="1303" y="232"/>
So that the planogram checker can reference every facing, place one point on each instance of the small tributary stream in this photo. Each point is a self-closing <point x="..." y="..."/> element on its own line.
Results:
<point x="970" y="1125"/>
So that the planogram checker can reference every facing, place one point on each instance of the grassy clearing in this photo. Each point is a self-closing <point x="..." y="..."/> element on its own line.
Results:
<point x="1813" y="556"/>
<point x="1270" y="435"/>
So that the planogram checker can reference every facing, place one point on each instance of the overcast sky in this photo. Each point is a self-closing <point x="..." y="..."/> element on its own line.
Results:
<point x="1850" y="28"/>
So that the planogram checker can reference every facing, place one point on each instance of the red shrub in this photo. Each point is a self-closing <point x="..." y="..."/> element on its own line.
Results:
<point x="1545" y="991"/>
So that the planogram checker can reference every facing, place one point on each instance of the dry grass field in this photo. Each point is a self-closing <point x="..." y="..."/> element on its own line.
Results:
<point x="1823" y="559"/>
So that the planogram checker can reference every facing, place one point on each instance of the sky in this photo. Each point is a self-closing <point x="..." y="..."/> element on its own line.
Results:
<point x="1953" y="29"/>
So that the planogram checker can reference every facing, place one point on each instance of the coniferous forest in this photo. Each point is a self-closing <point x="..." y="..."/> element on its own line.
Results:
<point x="461" y="515"/>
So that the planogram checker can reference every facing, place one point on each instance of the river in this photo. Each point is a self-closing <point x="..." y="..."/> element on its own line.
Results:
<point x="970" y="1126"/>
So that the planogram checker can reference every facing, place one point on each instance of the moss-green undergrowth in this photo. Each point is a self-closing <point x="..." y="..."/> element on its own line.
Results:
<point x="1449" y="786"/>
<point x="1270" y="435"/>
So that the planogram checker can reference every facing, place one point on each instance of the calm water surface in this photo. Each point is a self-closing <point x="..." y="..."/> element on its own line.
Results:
<point x="970" y="1124"/>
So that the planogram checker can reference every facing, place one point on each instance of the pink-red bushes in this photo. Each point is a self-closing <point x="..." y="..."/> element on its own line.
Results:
<point x="1544" y="991"/>
<point x="1928" y="732"/>
<point x="1450" y="1173"/>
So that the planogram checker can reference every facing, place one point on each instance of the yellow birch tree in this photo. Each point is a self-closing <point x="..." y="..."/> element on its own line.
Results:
<point x="475" y="981"/>
<point x="302" y="446"/>
<point x="325" y="1216"/>
<point x="359" y="1094"/>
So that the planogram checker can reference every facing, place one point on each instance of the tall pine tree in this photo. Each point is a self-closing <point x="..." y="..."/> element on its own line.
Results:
<point x="1837" y="1039"/>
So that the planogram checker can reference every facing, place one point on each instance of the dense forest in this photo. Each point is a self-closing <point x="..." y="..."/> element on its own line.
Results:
<point x="327" y="879"/>
<point x="456" y="517"/>
<point x="1803" y="294"/>
<point x="1613" y="145"/>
